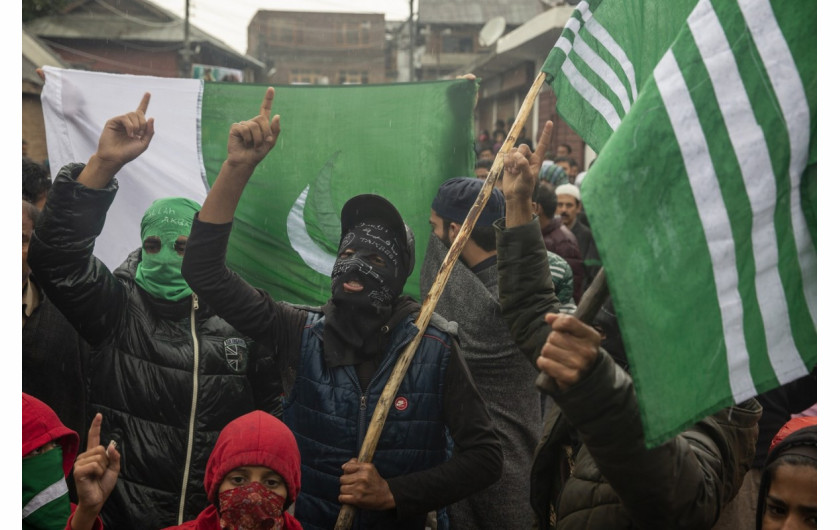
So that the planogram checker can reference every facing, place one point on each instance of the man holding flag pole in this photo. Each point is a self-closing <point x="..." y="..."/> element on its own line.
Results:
<point x="704" y="206"/>
<point x="336" y="361"/>
<point x="594" y="427"/>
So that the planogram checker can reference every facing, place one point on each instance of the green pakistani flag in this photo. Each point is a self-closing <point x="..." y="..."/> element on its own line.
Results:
<point x="703" y="204"/>
<point x="400" y="141"/>
<point x="605" y="53"/>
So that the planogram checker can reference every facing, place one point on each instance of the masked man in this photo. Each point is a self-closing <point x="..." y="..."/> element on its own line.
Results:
<point x="49" y="451"/>
<point x="336" y="360"/>
<point x="160" y="367"/>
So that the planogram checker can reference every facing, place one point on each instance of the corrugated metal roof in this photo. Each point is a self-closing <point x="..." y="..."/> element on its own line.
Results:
<point x="80" y="25"/>
<point x="36" y="54"/>
<point x="475" y="12"/>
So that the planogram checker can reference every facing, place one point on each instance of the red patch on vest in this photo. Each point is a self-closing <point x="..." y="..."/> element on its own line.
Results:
<point x="400" y="403"/>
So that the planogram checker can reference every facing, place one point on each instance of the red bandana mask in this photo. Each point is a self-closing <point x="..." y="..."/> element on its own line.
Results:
<point x="252" y="506"/>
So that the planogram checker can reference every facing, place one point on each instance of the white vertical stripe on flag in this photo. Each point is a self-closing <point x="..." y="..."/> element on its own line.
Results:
<point x="753" y="156"/>
<point x="609" y="43"/>
<point x="593" y="61"/>
<point x="710" y="207"/>
<point x="787" y="83"/>
<point x="590" y="94"/>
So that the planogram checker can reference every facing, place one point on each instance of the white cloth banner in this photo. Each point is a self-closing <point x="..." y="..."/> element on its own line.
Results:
<point x="76" y="106"/>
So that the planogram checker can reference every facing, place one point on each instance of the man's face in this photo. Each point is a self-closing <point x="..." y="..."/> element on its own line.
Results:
<point x="442" y="232"/>
<point x="566" y="167"/>
<point x="481" y="172"/>
<point x="369" y="270"/>
<point x="568" y="208"/>
<point x="486" y="154"/>
<point x="27" y="235"/>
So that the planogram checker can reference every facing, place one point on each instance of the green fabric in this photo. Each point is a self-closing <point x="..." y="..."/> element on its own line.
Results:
<point x="39" y="473"/>
<point x="159" y="273"/>
<point x="604" y="55"/>
<point x="563" y="279"/>
<point x="400" y="141"/>
<point x="703" y="205"/>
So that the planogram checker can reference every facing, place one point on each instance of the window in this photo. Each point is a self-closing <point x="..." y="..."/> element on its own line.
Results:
<point x="304" y="77"/>
<point x="456" y="43"/>
<point x="352" y="77"/>
<point x="353" y="34"/>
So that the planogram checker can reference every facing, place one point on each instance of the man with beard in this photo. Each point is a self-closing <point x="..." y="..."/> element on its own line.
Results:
<point x="335" y="361"/>
<point x="502" y="374"/>
<point x="570" y="212"/>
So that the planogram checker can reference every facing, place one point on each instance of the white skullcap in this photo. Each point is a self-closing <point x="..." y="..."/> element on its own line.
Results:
<point x="568" y="189"/>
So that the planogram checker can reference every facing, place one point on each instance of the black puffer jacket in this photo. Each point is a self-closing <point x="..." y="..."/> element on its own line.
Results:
<point x="592" y="469"/>
<point x="166" y="376"/>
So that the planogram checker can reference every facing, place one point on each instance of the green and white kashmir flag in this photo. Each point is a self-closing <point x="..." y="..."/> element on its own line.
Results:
<point x="400" y="141"/>
<point x="604" y="54"/>
<point x="703" y="204"/>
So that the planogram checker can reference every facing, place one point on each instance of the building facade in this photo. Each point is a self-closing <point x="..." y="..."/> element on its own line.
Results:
<point x="507" y="73"/>
<point x="449" y="31"/>
<point x="319" y="48"/>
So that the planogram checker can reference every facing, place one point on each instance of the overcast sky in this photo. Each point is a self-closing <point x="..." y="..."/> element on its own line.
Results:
<point x="228" y="21"/>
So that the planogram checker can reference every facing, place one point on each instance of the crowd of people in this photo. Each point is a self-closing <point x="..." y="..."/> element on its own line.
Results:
<point x="223" y="408"/>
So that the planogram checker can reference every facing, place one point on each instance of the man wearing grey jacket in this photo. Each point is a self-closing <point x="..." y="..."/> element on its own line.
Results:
<point x="592" y="468"/>
<point x="503" y="375"/>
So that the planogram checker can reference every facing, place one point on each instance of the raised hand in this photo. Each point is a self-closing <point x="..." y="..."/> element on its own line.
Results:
<point x="522" y="167"/>
<point x="126" y="137"/>
<point x="123" y="139"/>
<point x="363" y="487"/>
<point x="570" y="349"/>
<point x="95" y="473"/>
<point x="249" y="141"/>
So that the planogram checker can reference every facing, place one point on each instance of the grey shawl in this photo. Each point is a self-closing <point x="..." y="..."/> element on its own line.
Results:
<point x="505" y="379"/>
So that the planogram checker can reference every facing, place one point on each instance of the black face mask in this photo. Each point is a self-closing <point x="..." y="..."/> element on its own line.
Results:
<point x="371" y="263"/>
<point x="369" y="259"/>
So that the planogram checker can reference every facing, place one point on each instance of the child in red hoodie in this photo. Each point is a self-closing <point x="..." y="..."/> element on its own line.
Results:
<point x="252" y="477"/>
<point x="49" y="449"/>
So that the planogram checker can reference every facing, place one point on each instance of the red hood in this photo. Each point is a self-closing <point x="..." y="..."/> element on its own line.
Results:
<point x="791" y="427"/>
<point x="255" y="439"/>
<point x="41" y="425"/>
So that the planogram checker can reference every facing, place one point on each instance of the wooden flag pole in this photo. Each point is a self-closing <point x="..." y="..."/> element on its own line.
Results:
<point x="348" y="512"/>
<point x="590" y="303"/>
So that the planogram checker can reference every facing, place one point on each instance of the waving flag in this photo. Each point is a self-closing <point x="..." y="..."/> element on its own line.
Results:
<point x="604" y="54"/>
<point x="400" y="141"/>
<point x="703" y="204"/>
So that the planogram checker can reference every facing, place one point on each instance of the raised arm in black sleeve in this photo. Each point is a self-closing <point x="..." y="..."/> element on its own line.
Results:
<point x="274" y="325"/>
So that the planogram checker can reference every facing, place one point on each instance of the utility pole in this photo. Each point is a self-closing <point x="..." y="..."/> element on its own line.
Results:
<point x="410" y="41"/>
<point x="186" y="52"/>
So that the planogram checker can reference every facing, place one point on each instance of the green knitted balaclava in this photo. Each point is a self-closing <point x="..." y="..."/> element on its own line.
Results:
<point x="159" y="273"/>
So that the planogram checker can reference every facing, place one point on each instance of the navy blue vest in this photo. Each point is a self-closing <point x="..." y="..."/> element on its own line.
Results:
<point x="329" y="415"/>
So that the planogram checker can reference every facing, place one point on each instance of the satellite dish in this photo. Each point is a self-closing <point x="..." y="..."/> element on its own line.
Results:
<point x="492" y="30"/>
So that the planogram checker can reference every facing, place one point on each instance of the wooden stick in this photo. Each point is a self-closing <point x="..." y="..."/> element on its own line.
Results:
<point x="348" y="512"/>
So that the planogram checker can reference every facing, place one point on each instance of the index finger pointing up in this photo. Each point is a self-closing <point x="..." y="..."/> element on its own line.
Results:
<point x="545" y="138"/>
<point x="95" y="427"/>
<point x="144" y="103"/>
<point x="265" y="109"/>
